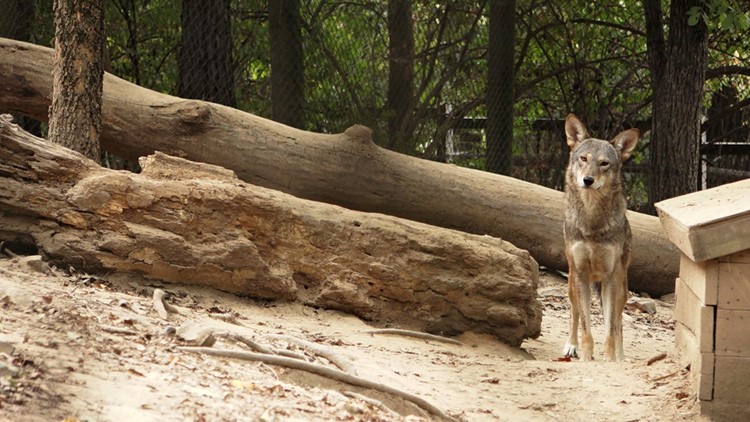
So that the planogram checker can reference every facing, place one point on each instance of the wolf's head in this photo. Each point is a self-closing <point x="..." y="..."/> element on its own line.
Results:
<point x="595" y="163"/>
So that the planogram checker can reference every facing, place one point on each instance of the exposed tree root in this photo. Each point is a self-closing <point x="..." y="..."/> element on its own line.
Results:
<point x="331" y="373"/>
<point x="318" y="350"/>
<point x="417" y="334"/>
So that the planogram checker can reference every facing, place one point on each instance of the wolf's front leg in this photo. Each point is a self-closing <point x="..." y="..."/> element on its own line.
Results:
<point x="587" y="340"/>
<point x="614" y="296"/>
<point x="571" y="347"/>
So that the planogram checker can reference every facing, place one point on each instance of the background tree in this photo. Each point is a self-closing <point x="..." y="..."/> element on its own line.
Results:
<point x="287" y="63"/>
<point x="678" y="66"/>
<point x="75" y="114"/>
<point x="16" y="22"/>
<point x="400" y="73"/>
<point x="205" y="59"/>
<point x="16" y="19"/>
<point x="578" y="56"/>
<point x="500" y="83"/>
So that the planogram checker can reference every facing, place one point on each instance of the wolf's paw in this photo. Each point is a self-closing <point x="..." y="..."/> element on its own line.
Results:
<point x="570" y="350"/>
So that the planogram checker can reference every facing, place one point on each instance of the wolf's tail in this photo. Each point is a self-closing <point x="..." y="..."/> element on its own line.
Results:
<point x="598" y="290"/>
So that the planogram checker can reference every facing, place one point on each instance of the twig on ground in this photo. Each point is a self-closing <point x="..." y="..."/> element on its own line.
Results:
<point x="227" y="317"/>
<point x="331" y="373"/>
<point x="371" y="401"/>
<point x="118" y="330"/>
<point x="246" y="341"/>
<point x="417" y="334"/>
<point x="6" y="251"/>
<point x="158" y="303"/>
<point x="259" y="347"/>
<point x="666" y="376"/>
<point x="318" y="350"/>
<point x="269" y="369"/>
<point x="655" y="359"/>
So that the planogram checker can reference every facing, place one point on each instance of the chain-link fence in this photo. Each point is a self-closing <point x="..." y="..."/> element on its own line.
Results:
<point x="479" y="84"/>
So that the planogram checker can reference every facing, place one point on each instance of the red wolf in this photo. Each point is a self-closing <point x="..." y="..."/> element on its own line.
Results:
<point x="597" y="235"/>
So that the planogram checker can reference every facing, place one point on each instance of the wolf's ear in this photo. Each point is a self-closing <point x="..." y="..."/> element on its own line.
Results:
<point x="575" y="131"/>
<point x="625" y="142"/>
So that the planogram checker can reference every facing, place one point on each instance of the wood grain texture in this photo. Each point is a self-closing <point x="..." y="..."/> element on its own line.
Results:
<point x="702" y="278"/>
<point x="695" y="316"/>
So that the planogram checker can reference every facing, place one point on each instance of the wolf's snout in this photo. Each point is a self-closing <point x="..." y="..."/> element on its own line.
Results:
<point x="588" y="180"/>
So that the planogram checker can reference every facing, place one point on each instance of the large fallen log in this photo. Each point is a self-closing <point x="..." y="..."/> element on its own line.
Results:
<point x="187" y="222"/>
<point x="344" y="169"/>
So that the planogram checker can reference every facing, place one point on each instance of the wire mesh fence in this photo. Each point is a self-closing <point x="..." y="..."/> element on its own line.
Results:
<point x="479" y="84"/>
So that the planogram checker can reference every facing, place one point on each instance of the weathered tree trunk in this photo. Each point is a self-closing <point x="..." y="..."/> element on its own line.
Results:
<point x="331" y="168"/>
<point x="75" y="115"/>
<point x="187" y="222"/>
<point x="678" y="67"/>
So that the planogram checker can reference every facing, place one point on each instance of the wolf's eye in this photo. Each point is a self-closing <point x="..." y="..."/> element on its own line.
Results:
<point x="605" y="163"/>
<point x="584" y="159"/>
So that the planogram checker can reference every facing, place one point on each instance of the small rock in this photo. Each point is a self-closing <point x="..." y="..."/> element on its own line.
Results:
<point x="196" y="335"/>
<point x="10" y="294"/>
<point x="552" y="291"/>
<point x="35" y="262"/>
<point x="8" y="370"/>
<point x="644" y="305"/>
<point x="7" y="347"/>
<point x="667" y="298"/>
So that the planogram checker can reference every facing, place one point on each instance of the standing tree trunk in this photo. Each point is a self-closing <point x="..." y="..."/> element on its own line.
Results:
<point x="205" y="59"/>
<point x="400" y="74"/>
<point x="77" y="74"/>
<point x="287" y="63"/>
<point x="677" y="78"/>
<point x="500" y="81"/>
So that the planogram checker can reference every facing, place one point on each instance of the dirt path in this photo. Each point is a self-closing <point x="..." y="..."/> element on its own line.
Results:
<point x="94" y="350"/>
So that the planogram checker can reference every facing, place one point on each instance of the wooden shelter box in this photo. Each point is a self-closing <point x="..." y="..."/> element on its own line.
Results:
<point x="712" y="294"/>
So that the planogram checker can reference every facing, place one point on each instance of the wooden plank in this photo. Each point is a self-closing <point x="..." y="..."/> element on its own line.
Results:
<point x="701" y="277"/>
<point x="701" y="364"/>
<point x="739" y="257"/>
<point x="733" y="333"/>
<point x="710" y="223"/>
<point x="734" y="286"/>
<point x="693" y="314"/>
<point x="732" y="380"/>
<point x="675" y="231"/>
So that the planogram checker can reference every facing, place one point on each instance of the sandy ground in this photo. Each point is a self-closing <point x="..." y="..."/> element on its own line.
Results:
<point x="78" y="348"/>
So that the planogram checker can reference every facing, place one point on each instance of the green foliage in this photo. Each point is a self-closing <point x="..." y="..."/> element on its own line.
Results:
<point x="142" y="39"/>
<point x="721" y="14"/>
